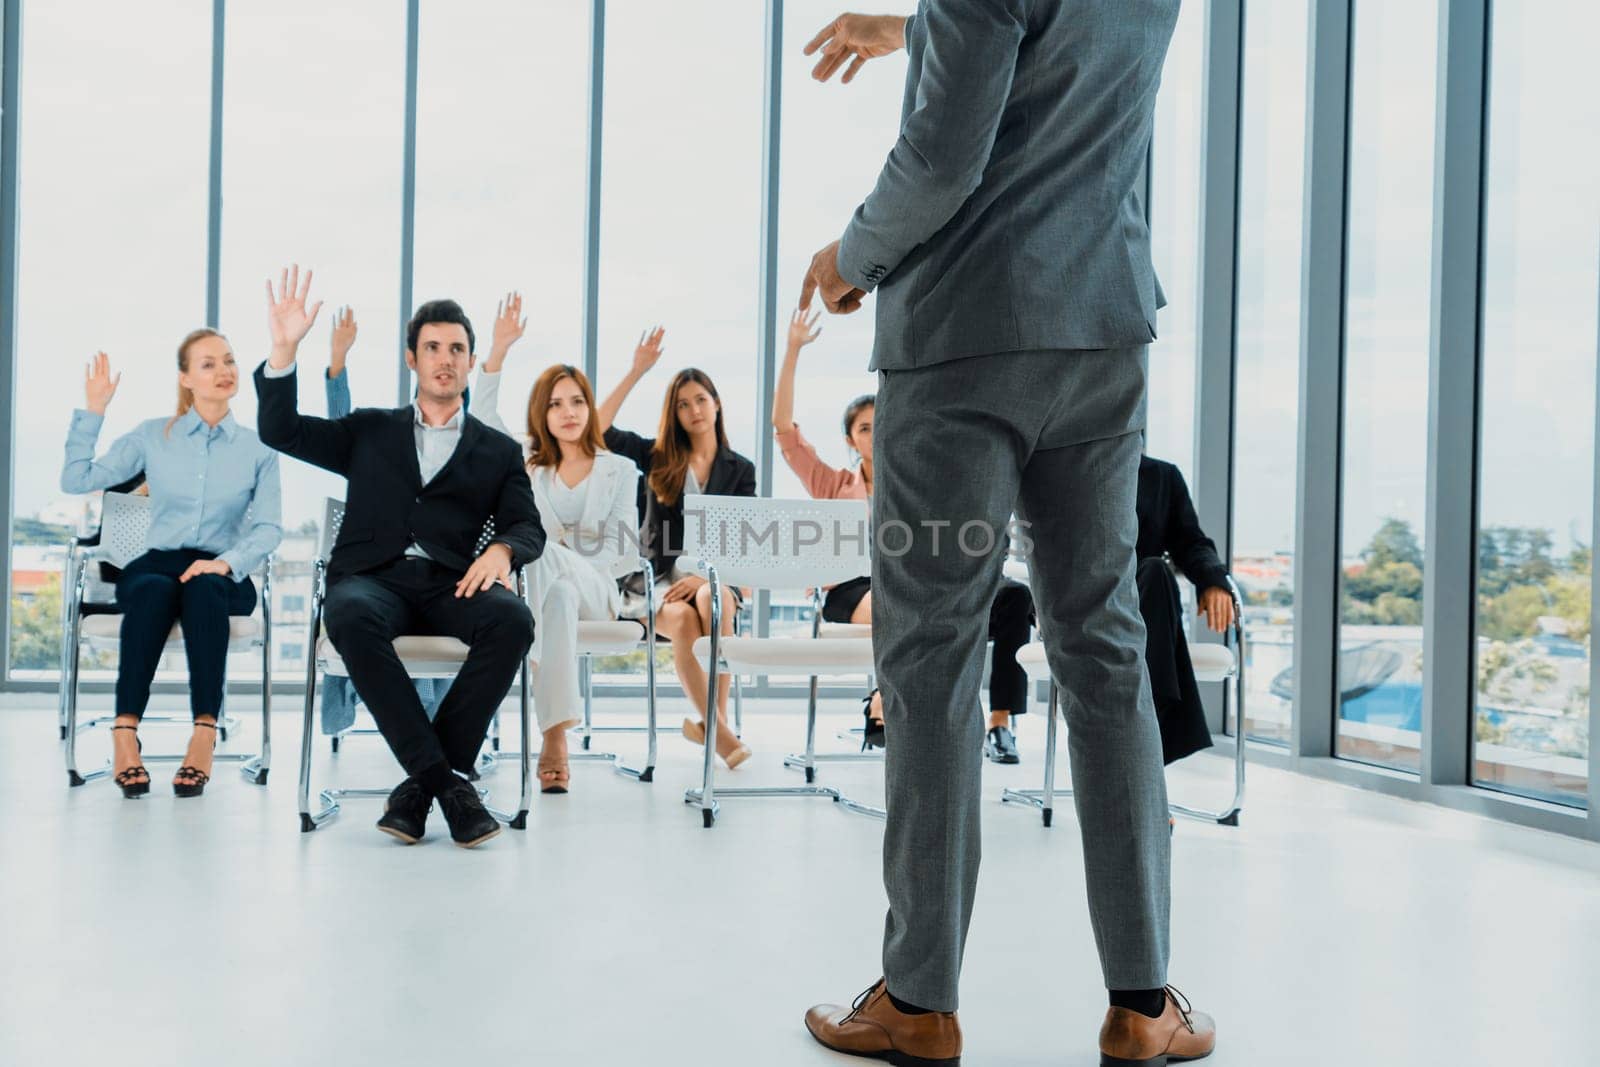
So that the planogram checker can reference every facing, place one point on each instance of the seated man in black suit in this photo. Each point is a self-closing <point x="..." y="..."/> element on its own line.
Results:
<point x="1169" y="528"/>
<point x="428" y="486"/>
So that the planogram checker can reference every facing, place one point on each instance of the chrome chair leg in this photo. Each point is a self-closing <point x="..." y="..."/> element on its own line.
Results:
<point x="707" y="795"/>
<point x="1043" y="799"/>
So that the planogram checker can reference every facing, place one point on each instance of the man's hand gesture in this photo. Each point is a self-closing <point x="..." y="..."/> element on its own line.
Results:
<point x="856" y="38"/>
<point x="288" y="319"/>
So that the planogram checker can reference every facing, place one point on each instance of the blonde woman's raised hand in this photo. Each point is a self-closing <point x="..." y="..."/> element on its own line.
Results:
<point x="98" y="384"/>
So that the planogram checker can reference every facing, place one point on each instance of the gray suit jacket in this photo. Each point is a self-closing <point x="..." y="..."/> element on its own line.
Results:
<point x="1008" y="216"/>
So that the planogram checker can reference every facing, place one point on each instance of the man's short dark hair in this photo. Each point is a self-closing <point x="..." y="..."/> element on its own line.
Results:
<point x="441" y="312"/>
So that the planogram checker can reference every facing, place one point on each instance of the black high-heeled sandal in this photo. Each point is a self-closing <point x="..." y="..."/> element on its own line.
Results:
<point x="872" y="736"/>
<point x="135" y="780"/>
<point x="195" y="778"/>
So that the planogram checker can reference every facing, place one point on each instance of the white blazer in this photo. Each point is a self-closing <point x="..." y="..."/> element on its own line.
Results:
<point x="606" y="536"/>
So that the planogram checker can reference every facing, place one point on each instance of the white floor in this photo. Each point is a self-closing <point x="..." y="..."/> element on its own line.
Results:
<point x="1334" y="926"/>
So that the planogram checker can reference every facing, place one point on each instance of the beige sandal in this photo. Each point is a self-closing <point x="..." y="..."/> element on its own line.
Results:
<point x="694" y="731"/>
<point x="554" y="777"/>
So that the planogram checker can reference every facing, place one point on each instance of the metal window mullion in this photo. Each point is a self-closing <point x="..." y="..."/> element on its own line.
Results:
<point x="591" y="231"/>
<point x="1216" y="317"/>
<point x="766" y="368"/>
<point x="1594" y="607"/>
<point x="1454" y="384"/>
<point x="408" y="200"/>
<point x="1321" y="399"/>
<point x="219" y="12"/>
<point x="10" y="120"/>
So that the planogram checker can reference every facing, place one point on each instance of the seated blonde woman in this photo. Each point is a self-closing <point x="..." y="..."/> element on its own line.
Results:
<point x="585" y="496"/>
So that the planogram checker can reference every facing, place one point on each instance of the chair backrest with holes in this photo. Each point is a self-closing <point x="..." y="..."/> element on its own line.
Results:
<point x="124" y="527"/>
<point x="778" y="544"/>
<point x="332" y="519"/>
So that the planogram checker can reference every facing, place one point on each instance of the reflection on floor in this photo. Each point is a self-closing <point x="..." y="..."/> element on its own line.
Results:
<point x="1334" y="926"/>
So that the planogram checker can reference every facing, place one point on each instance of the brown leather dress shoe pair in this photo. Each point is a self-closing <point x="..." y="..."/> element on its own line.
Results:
<point x="1133" y="1039"/>
<point x="874" y="1027"/>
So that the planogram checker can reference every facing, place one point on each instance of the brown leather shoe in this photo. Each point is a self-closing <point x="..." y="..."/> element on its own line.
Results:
<point x="1132" y="1039"/>
<point x="874" y="1027"/>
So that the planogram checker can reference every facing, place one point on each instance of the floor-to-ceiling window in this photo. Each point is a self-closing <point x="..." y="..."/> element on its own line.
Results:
<point x="1536" y="479"/>
<point x="502" y="136"/>
<point x="828" y="168"/>
<point x="680" y="231"/>
<point x="1272" y="157"/>
<point x="1392" y="90"/>
<point x="113" y="169"/>
<point x="313" y="136"/>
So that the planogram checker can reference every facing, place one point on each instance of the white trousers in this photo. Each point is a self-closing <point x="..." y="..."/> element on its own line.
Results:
<point x="563" y="590"/>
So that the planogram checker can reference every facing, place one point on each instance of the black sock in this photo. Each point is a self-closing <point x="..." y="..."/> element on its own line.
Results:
<point x="1151" y="1002"/>
<point x="907" y="1009"/>
<point x="438" y="779"/>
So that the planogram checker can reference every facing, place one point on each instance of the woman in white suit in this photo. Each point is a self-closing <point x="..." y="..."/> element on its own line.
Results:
<point x="586" y="498"/>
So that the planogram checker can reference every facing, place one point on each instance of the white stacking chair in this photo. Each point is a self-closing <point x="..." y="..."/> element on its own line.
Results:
<point x="586" y="730"/>
<point x="763" y="543"/>
<point x="808" y="760"/>
<point x="423" y="656"/>
<point x="611" y="637"/>
<point x="125" y="522"/>
<point x="1212" y="663"/>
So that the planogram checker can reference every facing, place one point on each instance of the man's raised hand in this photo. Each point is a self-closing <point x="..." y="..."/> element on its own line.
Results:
<point x="856" y="38"/>
<point x="288" y="319"/>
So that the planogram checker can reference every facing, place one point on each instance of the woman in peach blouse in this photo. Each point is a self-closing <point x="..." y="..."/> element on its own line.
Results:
<point x="1010" y="616"/>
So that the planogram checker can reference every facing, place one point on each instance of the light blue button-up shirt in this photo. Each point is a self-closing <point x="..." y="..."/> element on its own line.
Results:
<point x="214" y="488"/>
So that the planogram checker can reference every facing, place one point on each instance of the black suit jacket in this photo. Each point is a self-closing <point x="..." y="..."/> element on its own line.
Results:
<point x="661" y="529"/>
<point x="387" y="508"/>
<point x="1169" y="527"/>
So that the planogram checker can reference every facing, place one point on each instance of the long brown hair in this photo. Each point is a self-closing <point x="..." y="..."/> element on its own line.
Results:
<point x="186" y="396"/>
<point x="543" y="449"/>
<point x="669" y="468"/>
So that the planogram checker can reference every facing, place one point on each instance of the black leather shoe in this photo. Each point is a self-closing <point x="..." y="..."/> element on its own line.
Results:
<point x="1001" y="746"/>
<point x="873" y="735"/>
<point x="405" y="813"/>
<point x="470" y="823"/>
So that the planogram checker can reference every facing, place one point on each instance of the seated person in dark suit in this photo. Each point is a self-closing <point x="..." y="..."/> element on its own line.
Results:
<point x="415" y="554"/>
<point x="1169" y="528"/>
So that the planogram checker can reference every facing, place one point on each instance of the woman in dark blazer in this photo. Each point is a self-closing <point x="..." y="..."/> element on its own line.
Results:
<point x="689" y="454"/>
<point x="1169" y="529"/>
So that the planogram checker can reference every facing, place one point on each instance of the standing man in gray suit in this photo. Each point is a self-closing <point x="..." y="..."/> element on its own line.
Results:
<point x="1008" y="246"/>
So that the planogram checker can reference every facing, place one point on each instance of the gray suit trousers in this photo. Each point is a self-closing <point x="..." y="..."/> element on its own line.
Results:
<point x="1055" y="437"/>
